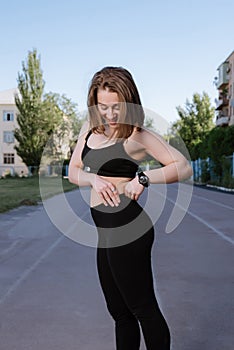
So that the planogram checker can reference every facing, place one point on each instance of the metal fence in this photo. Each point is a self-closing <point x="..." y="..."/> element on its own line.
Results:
<point x="205" y="170"/>
<point x="48" y="170"/>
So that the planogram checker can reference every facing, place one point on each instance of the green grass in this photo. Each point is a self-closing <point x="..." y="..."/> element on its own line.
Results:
<point x="17" y="191"/>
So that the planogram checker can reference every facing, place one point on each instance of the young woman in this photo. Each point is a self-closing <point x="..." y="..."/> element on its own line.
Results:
<point x="106" y="158"/>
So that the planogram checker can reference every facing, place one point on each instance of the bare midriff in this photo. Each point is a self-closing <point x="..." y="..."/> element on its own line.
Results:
<point x="118" y="182"/>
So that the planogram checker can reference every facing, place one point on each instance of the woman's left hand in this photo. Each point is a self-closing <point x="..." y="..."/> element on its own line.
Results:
<point x="133" y="189"/>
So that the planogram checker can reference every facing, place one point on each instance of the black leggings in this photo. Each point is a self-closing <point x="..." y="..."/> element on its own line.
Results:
<point x="124" y="268"/>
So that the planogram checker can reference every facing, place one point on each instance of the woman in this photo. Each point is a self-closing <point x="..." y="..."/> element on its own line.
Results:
<point x="106" y="158"/>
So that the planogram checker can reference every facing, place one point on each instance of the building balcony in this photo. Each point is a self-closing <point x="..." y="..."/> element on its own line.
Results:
<point x="222" y="120"/>
<point x="221" y="102"/>
<point x="223" y="78"/>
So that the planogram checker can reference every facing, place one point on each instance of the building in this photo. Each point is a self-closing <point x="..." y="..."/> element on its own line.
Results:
<point x="10" y="162"/>
<point x="225" y="85"/>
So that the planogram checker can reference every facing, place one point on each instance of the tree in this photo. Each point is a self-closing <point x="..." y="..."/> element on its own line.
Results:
<point x="196" y="120"/>
<point x="66" y="133"/>
<point x="220" y="144"/>
<point x="42" y="117"/>
<point x="149" y="123"/>
<point x="149" y="161"/>
<point x="35" y="124"/>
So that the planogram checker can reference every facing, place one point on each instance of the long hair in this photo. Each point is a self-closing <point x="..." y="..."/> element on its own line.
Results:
<point x="119" y="80"/>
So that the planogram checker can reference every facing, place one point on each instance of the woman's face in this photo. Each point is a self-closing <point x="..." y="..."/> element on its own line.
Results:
<point x="109" y="106"/>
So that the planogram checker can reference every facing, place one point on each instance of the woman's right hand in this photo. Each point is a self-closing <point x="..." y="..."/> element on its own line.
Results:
<point x="106" y="190"/>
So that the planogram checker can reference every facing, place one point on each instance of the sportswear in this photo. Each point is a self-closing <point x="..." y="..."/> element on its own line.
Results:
<point x="125" y="239"/>
<point x="110" y="161"/>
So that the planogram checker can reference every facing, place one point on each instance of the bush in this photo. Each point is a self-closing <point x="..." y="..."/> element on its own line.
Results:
<point x="227" y="179"/>
<point x="205" y="175"/>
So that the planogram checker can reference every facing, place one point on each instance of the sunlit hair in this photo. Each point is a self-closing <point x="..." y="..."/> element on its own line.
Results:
<point x="120" y="81"/>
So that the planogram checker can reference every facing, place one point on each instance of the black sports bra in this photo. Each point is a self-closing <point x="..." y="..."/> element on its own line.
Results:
<point x="110" y="161"/>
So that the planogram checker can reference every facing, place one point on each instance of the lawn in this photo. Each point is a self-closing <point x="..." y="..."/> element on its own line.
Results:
<point x="26" y="191"/>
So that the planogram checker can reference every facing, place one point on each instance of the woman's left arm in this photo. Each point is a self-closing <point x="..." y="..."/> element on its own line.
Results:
<point x="176" y="166"/>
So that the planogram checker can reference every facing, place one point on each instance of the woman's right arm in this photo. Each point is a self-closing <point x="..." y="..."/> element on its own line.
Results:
<point x="75" y="173"/>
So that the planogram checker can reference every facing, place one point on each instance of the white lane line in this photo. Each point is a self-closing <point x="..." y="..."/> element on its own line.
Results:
<point x="204" y="222"/>
<point x="9" y="249"/>
<point x="27" y="272"/>
<point x="213" y="202"/>
<point x="219" y="233"/>
<point x="208" y="200"/>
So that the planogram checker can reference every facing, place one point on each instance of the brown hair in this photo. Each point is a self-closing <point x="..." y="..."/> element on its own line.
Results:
<point x="119" y="80"/>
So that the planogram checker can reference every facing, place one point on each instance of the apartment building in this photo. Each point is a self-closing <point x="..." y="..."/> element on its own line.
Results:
<point x="10" y="162"/>
<point x="225" y="85"/>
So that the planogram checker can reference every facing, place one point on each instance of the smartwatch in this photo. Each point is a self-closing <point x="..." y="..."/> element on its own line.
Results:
<point x="143" y="179"/>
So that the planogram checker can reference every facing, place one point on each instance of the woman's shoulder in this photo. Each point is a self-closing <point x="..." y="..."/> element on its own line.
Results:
<point x="147" y="137"/>
<point x="143" y="134"/>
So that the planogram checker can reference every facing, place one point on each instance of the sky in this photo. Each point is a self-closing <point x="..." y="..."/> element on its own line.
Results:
<point x="172" y="48"/>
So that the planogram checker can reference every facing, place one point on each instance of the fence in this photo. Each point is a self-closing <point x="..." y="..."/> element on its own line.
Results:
<point x="205" y="170"/>
<point x="46" y="170"/>
<point x="49" y="170"/>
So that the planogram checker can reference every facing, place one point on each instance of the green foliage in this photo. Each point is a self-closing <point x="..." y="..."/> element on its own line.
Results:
<point x="229" y="140"/>
<point x="217" y="169"/>
<point x="221" y="143"/>
<point x="204" y="140"/>
<point x="72" y="120"/>
<point x="196" y="120"/>
<point x="205" y="173"/>
<point x="227" y="179"/>
<point x="66" y="131"/>
<point x="42" y="117"/>
<point x="149" y="123"/>
<point x="35" y="124"/>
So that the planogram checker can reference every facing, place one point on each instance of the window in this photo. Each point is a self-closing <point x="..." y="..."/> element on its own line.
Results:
<point x="8" y="158"/>
<point x="8" y="136"/>
<point x="8" y="116"/>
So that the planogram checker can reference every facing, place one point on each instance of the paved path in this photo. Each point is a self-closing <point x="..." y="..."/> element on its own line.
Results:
<point x="50" y="296"/>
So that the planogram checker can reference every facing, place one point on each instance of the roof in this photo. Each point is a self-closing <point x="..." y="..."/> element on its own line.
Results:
<point x="226" y="60"/>
<point x="7" y="97"/>
<point x="230" y="55"/>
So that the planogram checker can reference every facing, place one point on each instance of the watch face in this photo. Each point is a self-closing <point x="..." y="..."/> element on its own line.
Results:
<point x="143" y="179"/>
